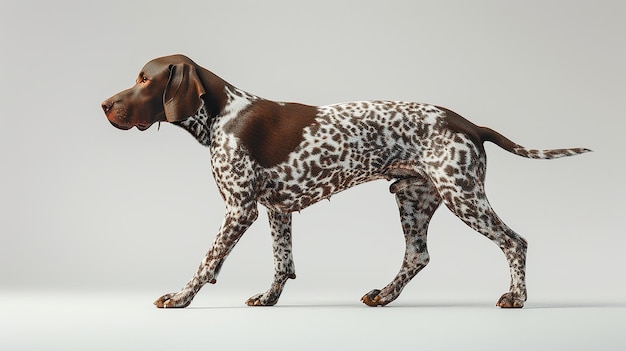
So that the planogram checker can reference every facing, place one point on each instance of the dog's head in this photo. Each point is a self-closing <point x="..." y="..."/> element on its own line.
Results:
<point x="167" y="89"/>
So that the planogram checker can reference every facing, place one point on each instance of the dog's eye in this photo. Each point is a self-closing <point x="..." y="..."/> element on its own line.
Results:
<point x="142" y="79"/>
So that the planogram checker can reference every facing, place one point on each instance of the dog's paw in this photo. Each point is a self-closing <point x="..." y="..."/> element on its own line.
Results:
<point x="511" y="300"/>
<point x="177" y="300"/>
<point x="263" y="299"/>
<point x="372" y="298"/>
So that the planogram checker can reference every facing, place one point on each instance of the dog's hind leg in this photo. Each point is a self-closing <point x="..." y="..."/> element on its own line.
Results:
<point x="464" y="194"/>
<point x="417" y="201"/>
<point x="481" y="217"/>
<point x="280" y="224"/>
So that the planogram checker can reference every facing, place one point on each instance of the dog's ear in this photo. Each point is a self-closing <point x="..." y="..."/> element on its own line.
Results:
<point x="182" y="96"/>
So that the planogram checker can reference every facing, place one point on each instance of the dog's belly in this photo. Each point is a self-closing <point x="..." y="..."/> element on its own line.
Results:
<point x="303" y="189"/>
<point x="286" y="188"/>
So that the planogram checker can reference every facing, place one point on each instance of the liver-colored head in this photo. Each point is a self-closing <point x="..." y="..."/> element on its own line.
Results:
<point x="167" y="89"/>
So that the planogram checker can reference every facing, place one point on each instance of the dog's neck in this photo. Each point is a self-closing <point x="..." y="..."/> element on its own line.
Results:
<point x="198" y="125"/>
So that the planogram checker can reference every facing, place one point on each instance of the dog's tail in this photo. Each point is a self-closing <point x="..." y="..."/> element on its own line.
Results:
<point x="487" y="134"/>
<point x="482" y="134"/>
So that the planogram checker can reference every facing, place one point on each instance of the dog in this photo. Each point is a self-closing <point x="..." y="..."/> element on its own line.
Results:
<point x="287" y="156"/>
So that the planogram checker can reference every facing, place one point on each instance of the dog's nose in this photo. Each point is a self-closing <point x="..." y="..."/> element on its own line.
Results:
<point x="106" y="106"/>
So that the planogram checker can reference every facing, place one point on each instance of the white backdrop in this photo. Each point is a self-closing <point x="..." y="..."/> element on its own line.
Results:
<point x="87" y="207"/>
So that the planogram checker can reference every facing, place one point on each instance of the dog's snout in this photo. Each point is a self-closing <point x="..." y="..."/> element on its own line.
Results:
<point x="106" y="106"/>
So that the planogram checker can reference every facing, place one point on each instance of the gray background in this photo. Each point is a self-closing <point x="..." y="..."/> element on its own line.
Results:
<point x="89" y="208"/>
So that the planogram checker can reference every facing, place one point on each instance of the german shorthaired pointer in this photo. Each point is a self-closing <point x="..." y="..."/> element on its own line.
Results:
<point x="287" y="156"/>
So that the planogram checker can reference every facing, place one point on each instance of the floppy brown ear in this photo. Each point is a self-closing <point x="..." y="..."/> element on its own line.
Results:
<point x="182" y="93"/>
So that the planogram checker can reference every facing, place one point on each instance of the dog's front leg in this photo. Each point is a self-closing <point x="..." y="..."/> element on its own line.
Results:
<point x="236" y="221"/>
<point x="280" y="225"/>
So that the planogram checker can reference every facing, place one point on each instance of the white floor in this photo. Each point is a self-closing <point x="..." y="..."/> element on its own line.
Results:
<point x="98" y="321"/>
